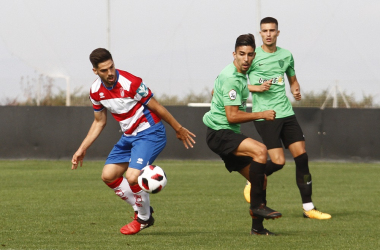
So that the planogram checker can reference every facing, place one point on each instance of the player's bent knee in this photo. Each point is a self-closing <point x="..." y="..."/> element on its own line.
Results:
<point x="108" y="178"/>
<point x="252" y="148"/>
<point x="111" y="172"/>
<point x="278" y="159"/>
<point x="260" y="154"/>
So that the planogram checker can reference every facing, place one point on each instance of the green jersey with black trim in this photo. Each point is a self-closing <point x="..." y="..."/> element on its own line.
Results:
<point x="230" y="89"/>
<point x="273" y="66"/>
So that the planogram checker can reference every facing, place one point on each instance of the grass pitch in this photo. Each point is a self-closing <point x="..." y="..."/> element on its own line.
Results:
<point x="46" y="205"/>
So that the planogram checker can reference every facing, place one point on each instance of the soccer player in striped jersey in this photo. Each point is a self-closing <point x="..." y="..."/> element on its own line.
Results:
<point x="139" y="114"/>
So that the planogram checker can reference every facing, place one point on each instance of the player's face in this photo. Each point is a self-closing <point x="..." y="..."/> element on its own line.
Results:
<point x="269" y="33"/>
<point x="107" y="72"/>
<point x="243" y="56"/>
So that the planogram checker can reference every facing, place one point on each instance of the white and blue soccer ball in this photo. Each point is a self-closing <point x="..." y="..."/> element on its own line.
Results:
<point x="152" y="179"/>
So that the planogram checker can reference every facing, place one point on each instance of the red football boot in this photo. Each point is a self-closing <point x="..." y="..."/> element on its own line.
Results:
<point x="136" y="226"/>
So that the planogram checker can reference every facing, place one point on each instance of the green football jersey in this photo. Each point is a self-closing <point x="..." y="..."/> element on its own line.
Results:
<point x="230" y="89"/>
<point x="273" y="66"/>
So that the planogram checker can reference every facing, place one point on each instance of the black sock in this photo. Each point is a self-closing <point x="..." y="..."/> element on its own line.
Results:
<point x="272" y="167"/>
<point x="257" y="224"/>
<point x="265" y="190"/>
<point x="257" y="179"/>
<point x="303" y="177"/>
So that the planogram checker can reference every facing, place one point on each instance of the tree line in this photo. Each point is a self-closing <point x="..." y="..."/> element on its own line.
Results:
<point x="45" y="96"/>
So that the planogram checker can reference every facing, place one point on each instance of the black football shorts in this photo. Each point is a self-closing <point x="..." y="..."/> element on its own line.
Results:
<point x="285" y="130"/>
<point x="223" y="142"/>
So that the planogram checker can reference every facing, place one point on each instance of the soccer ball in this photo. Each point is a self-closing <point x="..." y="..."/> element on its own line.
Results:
<point x="152" y="179"/>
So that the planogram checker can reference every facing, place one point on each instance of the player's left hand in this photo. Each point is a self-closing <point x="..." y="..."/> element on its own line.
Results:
<point x="265" y="86"/>
<point x="186" y="137"/>
<point x="297" y="94"/>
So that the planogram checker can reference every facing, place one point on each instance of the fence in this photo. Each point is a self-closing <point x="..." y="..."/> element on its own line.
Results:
<point x="56" y="133"/>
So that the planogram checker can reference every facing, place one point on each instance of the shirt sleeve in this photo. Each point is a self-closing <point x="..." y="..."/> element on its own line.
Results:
<point x="141" y="92"/>
<point x="231" y="93"/>
<point x="94" y="98"/>
<point x="290" y="71"/>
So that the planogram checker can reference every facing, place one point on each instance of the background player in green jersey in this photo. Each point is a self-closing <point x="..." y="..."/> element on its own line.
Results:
<point x="267" y="81"/>
<point x="240" y="153"/>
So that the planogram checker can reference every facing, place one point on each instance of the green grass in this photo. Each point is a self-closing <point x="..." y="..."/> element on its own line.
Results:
<point x="45" y="205"/>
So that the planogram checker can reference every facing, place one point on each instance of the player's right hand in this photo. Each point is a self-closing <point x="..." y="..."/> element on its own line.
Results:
<point x="269" y="115"/>
<point x="77" y="159"/>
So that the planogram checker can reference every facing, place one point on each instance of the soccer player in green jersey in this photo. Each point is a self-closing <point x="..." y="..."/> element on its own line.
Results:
<point x="267" y="81"/>
<point x="240" y="153"/>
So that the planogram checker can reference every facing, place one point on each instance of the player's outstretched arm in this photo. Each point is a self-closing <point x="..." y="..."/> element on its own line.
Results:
<point x="295" y="87"/>
<point x="182" y="133"/>
<point x="260" y="88"/>
<point x="100" y="121"/>
<point x="234" y="115"/>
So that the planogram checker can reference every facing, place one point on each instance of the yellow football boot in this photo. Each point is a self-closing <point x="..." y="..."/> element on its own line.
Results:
<point x="316" y="214"/>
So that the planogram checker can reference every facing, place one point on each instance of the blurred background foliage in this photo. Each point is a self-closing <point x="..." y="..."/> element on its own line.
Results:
<point x="42" y="91"/>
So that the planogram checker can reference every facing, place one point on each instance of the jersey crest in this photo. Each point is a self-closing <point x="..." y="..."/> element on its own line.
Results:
<point x="232" y="94"/>
<point x="281" y="63"/>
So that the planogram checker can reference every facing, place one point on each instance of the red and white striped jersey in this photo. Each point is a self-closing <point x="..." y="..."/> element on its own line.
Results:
<point x="126" y="101"/>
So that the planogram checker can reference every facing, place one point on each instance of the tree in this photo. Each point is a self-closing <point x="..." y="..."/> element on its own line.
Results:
<point x="312" y="99"/>
<point x="45" y="95"/>
<point x="40" y="92"/>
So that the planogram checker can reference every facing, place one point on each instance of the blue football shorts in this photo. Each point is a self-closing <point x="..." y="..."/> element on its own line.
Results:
<point x="139" y="150"/>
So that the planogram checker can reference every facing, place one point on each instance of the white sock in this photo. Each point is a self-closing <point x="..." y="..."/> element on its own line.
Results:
<point x="143" y="204"/>
<point x="308" y="206"/>
<point x="123" y="190"/>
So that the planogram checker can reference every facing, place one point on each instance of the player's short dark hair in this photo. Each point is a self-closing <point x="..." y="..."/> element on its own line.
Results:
<point x="245" y="40"/>
<point x="269" y="20"/>
<point x="99" y="55"/>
